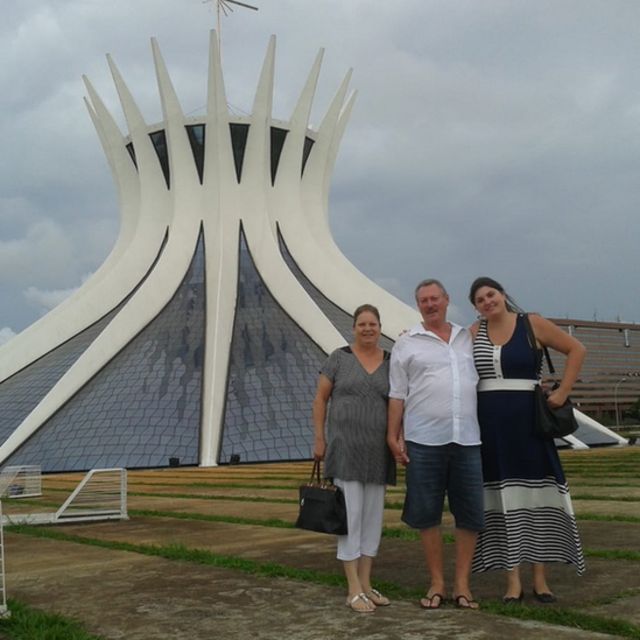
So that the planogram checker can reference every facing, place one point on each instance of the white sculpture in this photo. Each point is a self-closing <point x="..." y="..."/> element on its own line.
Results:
<point x="213" y="208"/>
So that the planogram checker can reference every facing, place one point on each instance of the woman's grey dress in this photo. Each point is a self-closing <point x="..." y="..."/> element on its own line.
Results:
<point x="357" y="421"/>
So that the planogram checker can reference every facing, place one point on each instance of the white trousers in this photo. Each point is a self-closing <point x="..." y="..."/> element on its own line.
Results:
<point x="365" y="508"/>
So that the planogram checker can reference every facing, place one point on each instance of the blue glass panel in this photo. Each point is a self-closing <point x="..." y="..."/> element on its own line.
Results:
<point x="159" y="140"/>
<point x="196" y="134"/>
<point x="132" y="154"/>
<point x="278" y="136"/>
<point x="593" y="437"/>
<point x="339" y="318"/>
<point x="144" y="406"/>
<point x="308" y="145"/>
<point x="239" y="133"/>
<point x="273" y="374"/>
<point x="20" y="394"/>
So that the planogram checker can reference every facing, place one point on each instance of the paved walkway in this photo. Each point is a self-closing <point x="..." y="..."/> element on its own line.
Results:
<point x="118" y="594"/>
<point x="135" y="597"/>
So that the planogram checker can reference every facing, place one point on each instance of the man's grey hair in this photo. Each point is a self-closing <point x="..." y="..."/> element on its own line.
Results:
<point x="427" y="283"/>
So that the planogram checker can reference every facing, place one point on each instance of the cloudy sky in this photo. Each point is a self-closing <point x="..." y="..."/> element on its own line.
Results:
<point x="490" y="137"/>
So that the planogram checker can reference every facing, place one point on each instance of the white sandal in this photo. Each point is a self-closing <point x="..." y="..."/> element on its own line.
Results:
<point x="360" y="604"/>
<point x="377" y="598"/>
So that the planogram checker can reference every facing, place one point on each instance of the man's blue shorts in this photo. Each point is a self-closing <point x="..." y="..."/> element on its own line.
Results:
<point x="432" y="471"/>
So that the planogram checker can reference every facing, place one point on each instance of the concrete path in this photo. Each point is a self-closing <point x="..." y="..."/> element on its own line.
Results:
<point x="119" y="594"/>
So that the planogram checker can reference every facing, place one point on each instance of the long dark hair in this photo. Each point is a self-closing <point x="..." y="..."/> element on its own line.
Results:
<point x="485" y="281"/>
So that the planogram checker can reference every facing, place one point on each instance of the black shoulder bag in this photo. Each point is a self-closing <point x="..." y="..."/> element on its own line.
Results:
<point x="322" y="505"/>
<point x="549" y="423"/>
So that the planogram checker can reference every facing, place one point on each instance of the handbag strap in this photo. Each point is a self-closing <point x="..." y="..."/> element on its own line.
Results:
<point x="315" y="472"/>
<point x="532" y="342"/>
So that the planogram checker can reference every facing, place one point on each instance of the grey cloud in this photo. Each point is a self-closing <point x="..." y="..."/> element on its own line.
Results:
<point x="45" y="300"/>
<point x="493" y="138"/>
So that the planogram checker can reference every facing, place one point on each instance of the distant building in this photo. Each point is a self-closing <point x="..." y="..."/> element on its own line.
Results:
<point x="610" y="377"/>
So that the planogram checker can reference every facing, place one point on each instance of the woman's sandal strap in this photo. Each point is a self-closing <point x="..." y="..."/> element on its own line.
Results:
<point x="377" y="598"/>
<point x="360" y="597"/>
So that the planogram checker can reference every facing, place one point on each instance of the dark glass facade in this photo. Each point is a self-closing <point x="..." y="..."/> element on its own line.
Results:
<point x="20" y="394"/>
<point x="308" y="145"/>
<point x="159" y="140"/>
<point x="340" y="319"/>
<point x="278" y="136"/>
<point x="273" y="372"/>
<point x="238" y="132"/>
<point x="196" y="134"/>
<point x="144" y="406"/>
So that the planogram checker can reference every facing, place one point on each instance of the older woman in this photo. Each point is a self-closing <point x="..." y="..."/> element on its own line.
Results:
<point x="528" y="511"/>
<point x="356" y="380"/>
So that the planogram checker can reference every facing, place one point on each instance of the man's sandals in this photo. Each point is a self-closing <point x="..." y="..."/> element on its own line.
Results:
<point x="465" y="602"/>
<point x="436" y="600"/>
<point x="433" y="601"/>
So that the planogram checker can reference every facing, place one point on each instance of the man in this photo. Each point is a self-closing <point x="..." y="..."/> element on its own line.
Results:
<point x="433" y="429"/>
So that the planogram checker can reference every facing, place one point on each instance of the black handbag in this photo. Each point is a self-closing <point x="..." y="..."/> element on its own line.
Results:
<point x="549" y="423"/>
<point x="322" y="506"/>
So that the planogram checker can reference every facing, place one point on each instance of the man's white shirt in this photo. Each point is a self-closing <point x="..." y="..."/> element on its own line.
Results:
<point x="437" y="382"/>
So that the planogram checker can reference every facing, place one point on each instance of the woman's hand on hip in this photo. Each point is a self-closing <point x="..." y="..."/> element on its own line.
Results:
<point x="556" y="398"/>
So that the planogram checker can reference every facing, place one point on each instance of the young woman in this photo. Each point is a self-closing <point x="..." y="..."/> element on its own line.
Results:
<point x="352" y="399"/>
<point x="528" y="511"/>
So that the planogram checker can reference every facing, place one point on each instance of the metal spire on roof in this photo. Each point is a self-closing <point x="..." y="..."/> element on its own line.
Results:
<point x="224" y="6"/>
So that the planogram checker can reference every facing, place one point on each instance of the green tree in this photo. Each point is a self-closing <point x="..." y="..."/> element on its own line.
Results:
<point x="633" y="411"/>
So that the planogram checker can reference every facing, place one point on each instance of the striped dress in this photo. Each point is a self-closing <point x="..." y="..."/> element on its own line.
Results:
<point x="528" y="512"/>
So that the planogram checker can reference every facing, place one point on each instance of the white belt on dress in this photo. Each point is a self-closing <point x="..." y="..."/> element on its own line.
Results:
<point x="507" y="384"/>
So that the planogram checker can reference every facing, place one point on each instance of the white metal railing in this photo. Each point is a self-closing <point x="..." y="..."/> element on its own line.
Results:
<point x="101" y="495"/>
<point x="4" y="610"/>
<point x="21" y="481"/>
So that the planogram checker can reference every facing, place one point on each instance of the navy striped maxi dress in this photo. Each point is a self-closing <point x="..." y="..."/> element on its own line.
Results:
<point x="528" y="512"/>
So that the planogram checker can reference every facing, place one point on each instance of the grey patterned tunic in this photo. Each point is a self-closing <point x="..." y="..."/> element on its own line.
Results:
<point x="357" y="421"/>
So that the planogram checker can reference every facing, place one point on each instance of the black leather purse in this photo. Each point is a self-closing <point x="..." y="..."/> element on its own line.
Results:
<point x="322" y="505"/>
<point x="549" y="423"/>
